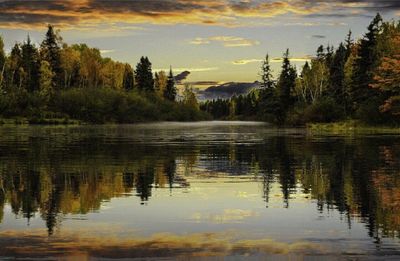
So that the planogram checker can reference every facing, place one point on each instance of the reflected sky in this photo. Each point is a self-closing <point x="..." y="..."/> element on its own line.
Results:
<point x="170" y="189"/>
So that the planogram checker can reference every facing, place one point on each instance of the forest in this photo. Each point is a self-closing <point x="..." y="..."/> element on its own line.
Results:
<point x="59" y="83"/>
<point x="359" y="80"/>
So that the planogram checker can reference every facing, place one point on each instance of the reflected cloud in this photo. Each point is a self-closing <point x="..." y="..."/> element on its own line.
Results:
<point x="227" y="216"/>
<point x="37" y="244"/>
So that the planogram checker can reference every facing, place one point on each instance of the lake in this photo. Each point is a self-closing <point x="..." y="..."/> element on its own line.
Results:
<point x="206" y="190"/>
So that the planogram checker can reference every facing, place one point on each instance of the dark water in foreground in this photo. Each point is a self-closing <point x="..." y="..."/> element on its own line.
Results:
<point x="198" y="191"/>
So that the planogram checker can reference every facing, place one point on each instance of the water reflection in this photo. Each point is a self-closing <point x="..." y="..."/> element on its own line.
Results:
<point x="53" y="172"/>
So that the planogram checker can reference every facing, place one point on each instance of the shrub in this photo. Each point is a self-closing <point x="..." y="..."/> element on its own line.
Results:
<point x="325" y="110"/>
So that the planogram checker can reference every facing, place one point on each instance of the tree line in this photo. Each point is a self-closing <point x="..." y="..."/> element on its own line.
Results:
<point x="360" y="79"/>
<point x="57" y="80"/>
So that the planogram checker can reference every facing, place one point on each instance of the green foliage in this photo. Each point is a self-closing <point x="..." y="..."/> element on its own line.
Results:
<point x="170" y="89"/>
<point x="325" y="110"/>
<point x="51" y="52"/>
<point x="285" y="87"/>
<point x="30" y="64"/>
<point x="128" y="80"/>
<point x="144" y="76"/>
<point x="266" y="74"/>
<point x="2" y="62"/>
<point x="365" y="63"/>
<point x="100" y="105"/>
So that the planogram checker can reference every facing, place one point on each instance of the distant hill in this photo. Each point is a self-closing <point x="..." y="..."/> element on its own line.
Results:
<point x="227" y="90"/>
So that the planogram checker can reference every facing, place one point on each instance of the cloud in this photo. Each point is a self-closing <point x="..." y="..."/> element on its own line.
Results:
<point x="182" y="76"/>
<point x="107" y="51"/>
<point x="318" y="36"/>
<point x="273" y="60"/>
<point x="195" y="69"/>
<point x="206" y="83"/>
<point x="227" y="216"/>
<point x="246" y="61"/>
<point x="82" y="245"/>
<point x="77" y="13"/>
<point x="293" y="59"/>
<point x="227" y="41"/>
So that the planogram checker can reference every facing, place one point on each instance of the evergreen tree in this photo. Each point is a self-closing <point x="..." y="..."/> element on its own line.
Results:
<point x="286" y="84"/>
<point x="329" y="55"/>
<point x="336" y="88"/>
<point x="321" y="52"/>
<point x="128" y="79"/>
<point x="51" y="52"/>
<point x="30" y="63"/>
<point x="365" y="64"/>
<point x="266" y="74"/>
<point x="349" y="43"/>
<point x="170" y="90"/>
<point x="15" y="68"/>
<point x="144" y="76"/>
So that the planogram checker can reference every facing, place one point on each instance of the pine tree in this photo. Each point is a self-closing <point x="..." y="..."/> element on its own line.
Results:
<point x="321" y="52"/>
<point x="144" y="76"/>
<point x="15" y="73"/>
<point x="266" y="74"/>
<point x="51" y="52"/>
<point x="286" y="84"/>
<point x="30" y="63"/>
<point x="365" y="64"/>
<point x="336" y="88"/>
<point x="349" y="43"/>
<point x="128" y="79"/>
<point x="170" y="90"/>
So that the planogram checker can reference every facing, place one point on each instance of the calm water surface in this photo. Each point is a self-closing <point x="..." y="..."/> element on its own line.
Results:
<point x="197" y="191"/>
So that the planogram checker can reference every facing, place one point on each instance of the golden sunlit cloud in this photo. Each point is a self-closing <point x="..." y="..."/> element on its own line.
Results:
<point x="306" y="58"/>
<point x="71" y="13"/>
<point x="37" y="244"/>
<point x="227" y="216"/>
<point x="273" y="60"/>
<point x="246" y="61"/>
<point x="204" y="69"/>
<point x="227" y="41"/>
<point x="106" y="51"/>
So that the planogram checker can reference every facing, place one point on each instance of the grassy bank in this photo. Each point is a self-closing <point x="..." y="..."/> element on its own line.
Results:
<point x="351" y="126"/>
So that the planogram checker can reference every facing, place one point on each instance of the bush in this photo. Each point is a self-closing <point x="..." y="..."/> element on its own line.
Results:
<point x="325" y="110"/>
<point x="102" y="105"/>
<point x="369" y="113"/>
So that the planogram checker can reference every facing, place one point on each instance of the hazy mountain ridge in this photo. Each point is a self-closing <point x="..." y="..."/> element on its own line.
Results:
<point x="227" y="90"/>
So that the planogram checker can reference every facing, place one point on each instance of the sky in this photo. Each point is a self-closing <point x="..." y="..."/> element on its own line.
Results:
<point x="216" y="40"/>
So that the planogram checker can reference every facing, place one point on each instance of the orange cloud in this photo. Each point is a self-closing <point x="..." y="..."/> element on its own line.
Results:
<point x="36" y="244"/>
<point x="227" y="41"/>
<point x="70" y="13"/>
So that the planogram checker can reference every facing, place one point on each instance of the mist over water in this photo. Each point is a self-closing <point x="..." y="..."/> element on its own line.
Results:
<point x="236" y="189"/>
